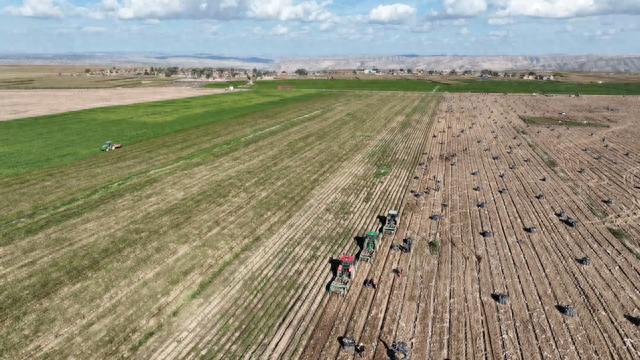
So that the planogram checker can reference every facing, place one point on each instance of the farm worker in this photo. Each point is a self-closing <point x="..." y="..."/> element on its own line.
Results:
<point x="360" y="350"/>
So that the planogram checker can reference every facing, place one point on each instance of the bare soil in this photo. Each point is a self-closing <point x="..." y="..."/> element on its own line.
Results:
<point x="15" y="104"/>
<point x="444" y="305"/>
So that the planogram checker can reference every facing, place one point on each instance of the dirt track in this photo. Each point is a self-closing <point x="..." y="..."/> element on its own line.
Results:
<point x="15" y="104"/>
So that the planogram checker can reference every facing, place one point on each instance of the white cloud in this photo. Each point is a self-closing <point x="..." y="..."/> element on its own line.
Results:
<point x="422" y="28"/>
<point x="495" y="34"/>
<point x="600" y="34"/>
<point x="37" y="8"/>
<point x="298" y="10"/>
<point x="212" y="29"/>
<point x="565" y="8"/>
<point x="464" y="8"/>
<point x="93" y="29"/>
<point x="280" y="30"/>
<point x="155" y="9"/>
<point x="308" y="10"/>
<point x="327" y="26"/>
<point x="497" y="11"/>
<point x="536" y="8"/>
<point x="287" y="10"/>
<point x="500" y="21"/>
<point x="392" y="14"/>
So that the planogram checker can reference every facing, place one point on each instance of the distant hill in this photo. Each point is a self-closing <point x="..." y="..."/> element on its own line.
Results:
<point x="216" y="57"/>
<point x="586" y="63"/>
<point x="131" y="59"/>
<point x="578" y="63"/>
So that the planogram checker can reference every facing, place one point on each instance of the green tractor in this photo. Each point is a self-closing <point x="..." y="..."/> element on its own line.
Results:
<point x="369" y="247"/>
<point x="393" y="220"/>
<point x="110" y="146"/>
<point x="344" y="275"/>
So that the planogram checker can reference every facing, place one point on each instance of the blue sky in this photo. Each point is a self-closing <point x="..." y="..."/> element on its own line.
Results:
<point x="290" y="28"/>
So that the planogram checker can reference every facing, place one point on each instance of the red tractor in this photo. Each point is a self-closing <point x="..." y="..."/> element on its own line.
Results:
<point x="344" y="275"/>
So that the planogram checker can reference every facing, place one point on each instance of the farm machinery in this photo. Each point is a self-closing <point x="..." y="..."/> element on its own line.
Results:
<point x="369" y="247"/>
<point x="398" y="351"/>
<point x="110" y="146"/>
<point x="344" y="275"/>
<point x="391" y="225"/>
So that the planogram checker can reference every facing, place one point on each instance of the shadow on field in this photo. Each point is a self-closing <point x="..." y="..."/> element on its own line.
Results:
<point x="383" y="221"/>
<point x="334" y="263"/>
<point x="360" y="243"/>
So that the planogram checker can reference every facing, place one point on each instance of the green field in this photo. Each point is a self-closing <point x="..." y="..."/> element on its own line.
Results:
<point x="471" y="86"/>
<point x="54" y="140"/>
<point x="81" y="82"/>
<point x="225" y="84"/>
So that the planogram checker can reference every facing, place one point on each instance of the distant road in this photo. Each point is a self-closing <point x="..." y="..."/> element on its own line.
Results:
<point x="16" y="104"/>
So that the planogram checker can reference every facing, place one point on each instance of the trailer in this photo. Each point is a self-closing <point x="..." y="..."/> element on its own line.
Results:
<point x="393" y="220"/>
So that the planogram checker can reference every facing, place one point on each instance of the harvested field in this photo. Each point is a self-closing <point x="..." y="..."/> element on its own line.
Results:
<point x="201" y="241"/>
<point x="15" y="104"/>
<point x="216" y="241"/>
<point x="445" y="305"/>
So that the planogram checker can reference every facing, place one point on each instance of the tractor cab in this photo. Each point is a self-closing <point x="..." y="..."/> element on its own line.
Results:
<point x="391" y="225"/>
<point x="370" y="245"/>
<point x="347" y="265"/>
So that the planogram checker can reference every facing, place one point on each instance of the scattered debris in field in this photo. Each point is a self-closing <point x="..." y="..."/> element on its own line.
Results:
<point x="369" y="284"/>
<point x="407" y="245"/>
<point x="434" y="247"/>
<point x="531" y="229"/>
<point x="398" y="351"/>
<point x="567" y="310"/>
<point x="486" y="234"/>
<point x="347" y="344"/>
<point x="584" y="261"/>
<point x="500" y="298"/>
<point x="635" y="320"/>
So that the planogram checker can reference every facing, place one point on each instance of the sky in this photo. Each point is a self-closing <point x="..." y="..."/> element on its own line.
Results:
<point x="309" y="28"/>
